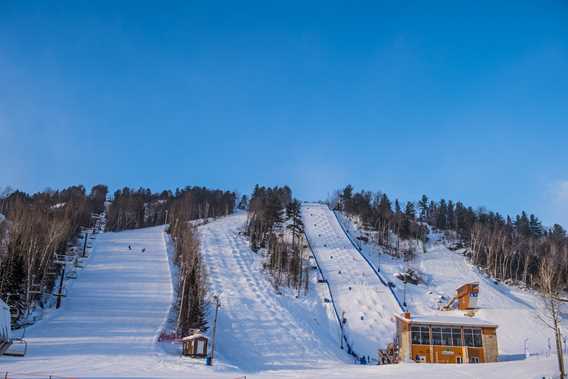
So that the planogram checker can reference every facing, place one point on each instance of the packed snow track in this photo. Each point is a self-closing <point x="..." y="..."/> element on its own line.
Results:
<point x="258" y="328"/>
<point x="365" y="304"/>
<point x="111" y="314"/>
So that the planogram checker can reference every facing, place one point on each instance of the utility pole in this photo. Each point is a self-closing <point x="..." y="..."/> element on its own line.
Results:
<point x="217" y="306"/>
<point x="85" y="243"/>
<point x="404" y="301"/>
<point x="60" y="291"/>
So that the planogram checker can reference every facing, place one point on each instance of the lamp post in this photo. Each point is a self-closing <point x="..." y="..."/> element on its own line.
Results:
<point x="217" y="306"/>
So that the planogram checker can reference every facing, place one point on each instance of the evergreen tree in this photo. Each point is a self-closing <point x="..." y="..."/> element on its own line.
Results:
<point x="423" y="207"/>
<point x="410" y="211"/>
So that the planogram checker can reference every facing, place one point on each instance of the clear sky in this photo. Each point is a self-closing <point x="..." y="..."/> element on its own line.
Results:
<point x="465" y="100"/>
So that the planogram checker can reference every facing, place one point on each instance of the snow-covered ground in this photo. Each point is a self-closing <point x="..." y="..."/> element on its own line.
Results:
<point x="515" y="311"/>
<point x="113" y="313"/>
<point x="259" y="329"/>
<point x="362" y="300"/>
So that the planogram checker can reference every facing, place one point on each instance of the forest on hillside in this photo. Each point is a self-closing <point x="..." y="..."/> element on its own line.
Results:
<point x="34" y="229"/>
<point x="274" y="223"/>
<point x="508" y="248"/>
<point x="37" y="229"/>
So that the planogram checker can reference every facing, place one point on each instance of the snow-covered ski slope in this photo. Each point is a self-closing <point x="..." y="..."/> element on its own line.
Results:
<point x="515" y="311"/>
<point x="259" y="329"/>
<point x="362" y="300"/>
<point x="111" y="314"/>
<point x="114" y="311"/>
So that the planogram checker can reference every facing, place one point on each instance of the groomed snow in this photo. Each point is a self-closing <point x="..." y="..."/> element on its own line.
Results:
<point x="361" y="298"/>
<point x="258" y="328"/>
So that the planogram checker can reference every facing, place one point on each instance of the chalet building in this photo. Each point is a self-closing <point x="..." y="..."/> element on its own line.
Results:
<point x="445" y="339"/>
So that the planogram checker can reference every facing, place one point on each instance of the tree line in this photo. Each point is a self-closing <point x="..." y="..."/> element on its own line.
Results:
<point x="509" y="249"/>
<point x="274" y="223"/>
<point x="34" y="229"/>
<point x="139" y="208"/>
<point x="192" y="203"/>
<point x="377" y="212"/>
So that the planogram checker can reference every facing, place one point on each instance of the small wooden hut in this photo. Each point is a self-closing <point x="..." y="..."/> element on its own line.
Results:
<point x="466" y="296"/>
<point x="195" y="345"/>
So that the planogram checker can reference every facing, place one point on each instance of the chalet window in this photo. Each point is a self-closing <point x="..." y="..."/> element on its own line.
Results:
<point x="446" y="336"/>
<point x="456" y="337"/>
<point x="420" y="335"/>
<point x="436" y="336"/>
<point x="472" y="337"/>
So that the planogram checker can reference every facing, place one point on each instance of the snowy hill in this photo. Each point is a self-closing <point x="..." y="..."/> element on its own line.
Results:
<point x="443" y="271"/>
<point x="112" y="314"/>
<point x="258" y="328"/>
<point x="366" y="304"/>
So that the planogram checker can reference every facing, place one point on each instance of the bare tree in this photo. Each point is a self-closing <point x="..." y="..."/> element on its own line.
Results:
<point x="550" y="285"/>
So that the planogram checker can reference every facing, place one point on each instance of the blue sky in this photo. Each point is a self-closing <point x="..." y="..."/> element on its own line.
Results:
<point x="459" y="99"/>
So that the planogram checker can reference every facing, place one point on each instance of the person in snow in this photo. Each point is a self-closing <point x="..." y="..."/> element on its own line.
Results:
<point x="144" y="250"/>
<point x="129" y="247"/>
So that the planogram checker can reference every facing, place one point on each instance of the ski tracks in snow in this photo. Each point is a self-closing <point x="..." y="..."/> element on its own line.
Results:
<point x="258" y="329"/>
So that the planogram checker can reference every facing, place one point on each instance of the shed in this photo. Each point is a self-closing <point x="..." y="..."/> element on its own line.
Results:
<point x="195" y="345"/>
<point x="446" y="339"/>
<point x="466" y="297"/>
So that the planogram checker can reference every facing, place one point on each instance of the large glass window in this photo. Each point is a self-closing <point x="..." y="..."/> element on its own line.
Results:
<point x="456" y="337"/>
<point x="436" y="336"/>
<point x="420" y="335"/>
<point x="472" y="337"/>
<point x="447" y="336"/>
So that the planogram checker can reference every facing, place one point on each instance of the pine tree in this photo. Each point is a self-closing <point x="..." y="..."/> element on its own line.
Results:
<point x="410" y="211"/>
<point x="423" y="207"/>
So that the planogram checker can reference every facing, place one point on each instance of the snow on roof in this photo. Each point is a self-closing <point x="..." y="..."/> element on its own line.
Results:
<point x="4" y="321"/>
<point x="193" y="336"/>
<point x="447" y="320"/>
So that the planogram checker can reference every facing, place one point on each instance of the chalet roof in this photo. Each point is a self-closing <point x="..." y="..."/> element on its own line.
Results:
<point x="194" y="336"/>
<point x="448" y="320"/>
<point x="473" y="284"/>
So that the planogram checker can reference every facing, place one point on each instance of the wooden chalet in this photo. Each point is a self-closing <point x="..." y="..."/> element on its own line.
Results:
<point x="445" y="339"/>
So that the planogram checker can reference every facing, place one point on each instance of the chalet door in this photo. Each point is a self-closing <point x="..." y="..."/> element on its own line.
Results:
<point x="459" y="359"/>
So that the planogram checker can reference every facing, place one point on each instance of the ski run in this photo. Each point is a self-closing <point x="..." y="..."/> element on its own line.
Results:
<point x="113" y="313"/>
